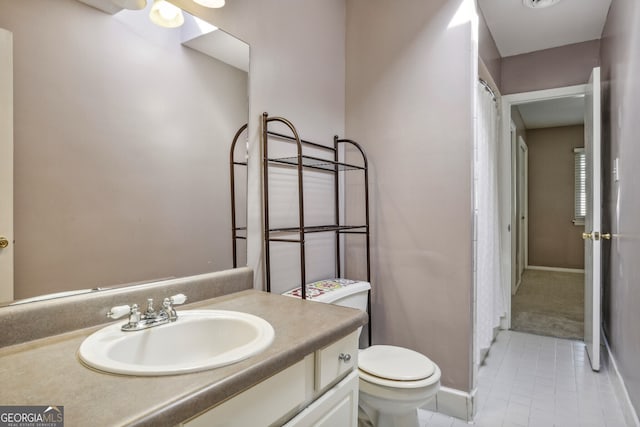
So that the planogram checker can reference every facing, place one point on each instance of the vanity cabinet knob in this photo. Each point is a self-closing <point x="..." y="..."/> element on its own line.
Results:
<point x="345" y="357"/>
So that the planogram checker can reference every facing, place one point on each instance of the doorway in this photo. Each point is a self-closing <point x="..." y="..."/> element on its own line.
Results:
<point x="534" y="275"/>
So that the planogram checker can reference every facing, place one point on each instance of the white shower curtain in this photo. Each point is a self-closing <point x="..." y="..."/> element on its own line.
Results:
<point x="489" y="295"/>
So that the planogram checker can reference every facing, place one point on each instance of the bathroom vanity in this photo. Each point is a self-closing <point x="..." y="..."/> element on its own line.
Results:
<point x="309" y="384"/>
<point x="306" y="377"/>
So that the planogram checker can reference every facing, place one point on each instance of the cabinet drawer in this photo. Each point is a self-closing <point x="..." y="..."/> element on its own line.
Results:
<point x="335" y="360"/>
<point x="263" y="404"/>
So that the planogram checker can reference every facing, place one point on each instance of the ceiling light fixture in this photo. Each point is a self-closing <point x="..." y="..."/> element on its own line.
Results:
<point x="539" y="4"/>
<point x="165" y="14"/>
<point x="130" y="4"/>
<point x="210" y="3"/>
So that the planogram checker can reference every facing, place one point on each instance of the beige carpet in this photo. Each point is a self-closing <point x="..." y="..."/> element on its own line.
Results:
<point x="549" y="303"/>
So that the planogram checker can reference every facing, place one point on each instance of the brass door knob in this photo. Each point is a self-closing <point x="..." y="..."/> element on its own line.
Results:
<point x="3" y="242"/>
<point x="606" y="236"/>
<point x="586" y="236"/>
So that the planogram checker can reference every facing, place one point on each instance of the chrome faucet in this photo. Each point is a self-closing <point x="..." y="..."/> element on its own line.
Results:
<point x="150" y="318"/>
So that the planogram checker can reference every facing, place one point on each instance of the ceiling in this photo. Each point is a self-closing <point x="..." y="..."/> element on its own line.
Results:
<point x="553" y="112"/>
<point x="195" y="33"/>
<point x="223" y="47"/>
<point x="518" y="29"/>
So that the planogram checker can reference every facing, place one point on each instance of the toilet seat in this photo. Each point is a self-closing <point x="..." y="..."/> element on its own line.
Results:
<point x="364" y="376"/>
<point x="396" y="367"/>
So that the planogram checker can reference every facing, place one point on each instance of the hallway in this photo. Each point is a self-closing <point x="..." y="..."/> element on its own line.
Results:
<point x="549" y="303"/>
<point x="534" y="381"/>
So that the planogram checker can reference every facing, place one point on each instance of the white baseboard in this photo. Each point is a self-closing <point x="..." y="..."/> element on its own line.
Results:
<point x="630" y="414"/>
<point x="561" y="270"/>
<point x="452" y="402"/>
<point x="505" y="323"/>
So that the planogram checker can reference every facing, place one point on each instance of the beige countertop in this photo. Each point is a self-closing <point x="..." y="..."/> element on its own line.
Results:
<point x="47" y="371"/>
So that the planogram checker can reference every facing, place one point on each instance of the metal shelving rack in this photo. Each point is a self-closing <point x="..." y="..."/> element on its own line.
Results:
<point x="302" y="162"/>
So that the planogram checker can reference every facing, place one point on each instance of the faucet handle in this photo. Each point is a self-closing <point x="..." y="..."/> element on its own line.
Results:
<point x="168" y="303"/>
<point x="178" y="299"/>
<point x="150" y="310"/>
<point x="119" y="311"/>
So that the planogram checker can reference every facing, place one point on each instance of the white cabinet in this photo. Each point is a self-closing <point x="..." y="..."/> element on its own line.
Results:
<point x="337" y="407"/>
<point x="297" y="394"/>
<point x="335" y="360"/>
<point x="265" y="403"/>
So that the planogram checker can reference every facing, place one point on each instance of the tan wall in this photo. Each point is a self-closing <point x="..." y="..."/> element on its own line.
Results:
<point x="409" y="102"/>
<point x="621" y="127"/>
<point x="553" y="239"/>
<point x="550" y="68"/>
<point x="121" y="148"/>
<point x="297" y="71"/>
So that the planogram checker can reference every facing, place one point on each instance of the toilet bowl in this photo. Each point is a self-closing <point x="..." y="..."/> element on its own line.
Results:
<point x="394" y="381"/>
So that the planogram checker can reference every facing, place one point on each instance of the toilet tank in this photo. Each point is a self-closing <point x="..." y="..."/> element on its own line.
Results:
<point x="343" y="292"/>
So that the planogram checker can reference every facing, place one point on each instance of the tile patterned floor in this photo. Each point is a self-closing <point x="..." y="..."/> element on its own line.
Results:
<point x="535" y="381"/>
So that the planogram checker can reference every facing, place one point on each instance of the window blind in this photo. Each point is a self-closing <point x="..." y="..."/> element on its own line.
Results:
<point x="580" y="189"/>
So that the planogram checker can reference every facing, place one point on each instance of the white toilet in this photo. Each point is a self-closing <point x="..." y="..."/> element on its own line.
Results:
<point x="394" y="381"/>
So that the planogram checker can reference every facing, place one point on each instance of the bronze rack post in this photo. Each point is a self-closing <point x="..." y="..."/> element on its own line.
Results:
<point x="366" y="232"/>
<point x="232" y="180"/>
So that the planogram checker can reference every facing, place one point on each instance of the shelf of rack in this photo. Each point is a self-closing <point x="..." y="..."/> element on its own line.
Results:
<point x="316" y="163"/>
<point x="316" y="228"/>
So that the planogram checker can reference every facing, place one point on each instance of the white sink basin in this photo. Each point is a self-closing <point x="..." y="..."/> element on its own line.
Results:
<point x="198" y="340"/>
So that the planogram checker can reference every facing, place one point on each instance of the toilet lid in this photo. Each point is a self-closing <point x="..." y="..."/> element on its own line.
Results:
<point x="395" y="363"/>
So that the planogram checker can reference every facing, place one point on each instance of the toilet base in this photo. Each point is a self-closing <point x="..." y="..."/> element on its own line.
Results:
<point x="386" y="406"/>
<point x="369" y="417"/>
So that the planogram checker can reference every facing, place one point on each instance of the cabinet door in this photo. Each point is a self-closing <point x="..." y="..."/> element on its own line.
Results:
<point x="336" y="360"/>
<point x="337" y="407"/>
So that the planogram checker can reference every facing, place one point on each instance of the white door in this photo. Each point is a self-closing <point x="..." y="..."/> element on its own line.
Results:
<point x="6" y="166"/>
<point x="592" y="242"/>
<point x="523" y="173"/>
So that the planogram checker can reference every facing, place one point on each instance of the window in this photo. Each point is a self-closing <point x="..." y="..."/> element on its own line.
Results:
<point x="580" y="188"/>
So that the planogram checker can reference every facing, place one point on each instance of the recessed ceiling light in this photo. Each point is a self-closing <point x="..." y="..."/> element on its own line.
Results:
<point x="166" y="14"/>
<point x="539" y="4"/>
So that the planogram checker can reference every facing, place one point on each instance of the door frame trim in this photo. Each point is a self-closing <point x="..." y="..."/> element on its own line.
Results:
<point x="6" y="165"/>
<point x="524" y="232"/>
<point x="507" y="181"/>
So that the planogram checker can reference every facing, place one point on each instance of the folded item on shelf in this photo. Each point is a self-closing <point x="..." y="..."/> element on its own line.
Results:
<point x="321" y="287"/>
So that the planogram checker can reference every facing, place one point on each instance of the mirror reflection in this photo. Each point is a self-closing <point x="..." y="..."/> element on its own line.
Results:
<point x="122" y="132"/>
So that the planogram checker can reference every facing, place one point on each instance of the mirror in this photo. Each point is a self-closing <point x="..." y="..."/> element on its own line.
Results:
<point x="122" y="132"/>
